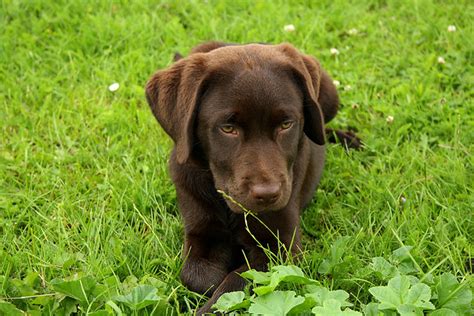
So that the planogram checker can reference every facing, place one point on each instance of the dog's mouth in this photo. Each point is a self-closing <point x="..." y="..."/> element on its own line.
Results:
<point x="242" y="205"/>
<point x="240" y="209"/>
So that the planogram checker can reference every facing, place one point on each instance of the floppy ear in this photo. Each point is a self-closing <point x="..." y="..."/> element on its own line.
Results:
<point x="326" y="92"/>
<point x="173" y="95"/>
<point x="317" y="88"/>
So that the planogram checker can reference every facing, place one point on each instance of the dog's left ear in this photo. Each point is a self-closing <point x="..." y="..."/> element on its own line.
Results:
<point x="320" y="96"/>
<point x="173" y="96"/>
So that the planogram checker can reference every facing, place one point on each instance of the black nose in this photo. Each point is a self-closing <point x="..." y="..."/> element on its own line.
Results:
<point x="265" y="193"/>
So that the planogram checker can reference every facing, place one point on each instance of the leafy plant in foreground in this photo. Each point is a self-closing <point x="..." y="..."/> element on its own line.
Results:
<point x="399" y="295"/>
<point x="310" y="296"/>
<point x="285" y="290"/>
<point x="83" y="295"/>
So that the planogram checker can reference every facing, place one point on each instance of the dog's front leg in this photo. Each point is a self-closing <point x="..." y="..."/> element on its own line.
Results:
<point x="206" y="263"/>
<point x="285" y="224"/>
<point x="233" y="282"/>
<point x="207" y="253"/>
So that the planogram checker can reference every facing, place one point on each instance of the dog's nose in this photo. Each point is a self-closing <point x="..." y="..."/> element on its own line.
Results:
<point x="265" y="193"/>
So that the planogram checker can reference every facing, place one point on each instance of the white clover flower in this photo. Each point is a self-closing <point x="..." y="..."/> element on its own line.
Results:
<point x="114" y="87"/>
<point x="347" y="87"/>
<point x="353" y="32"/>
<point x="403" y="200"/>
<point x="336" y="83"/>
<point x="451" y="28"/>
<point x="389" y="119"/>
<point x="289" y="28"/>
<point x="334" y="51"/>
<point x="441" y="60"/>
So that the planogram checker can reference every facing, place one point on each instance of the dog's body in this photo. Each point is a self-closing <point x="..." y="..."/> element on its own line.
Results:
<point x="247" y="120"/>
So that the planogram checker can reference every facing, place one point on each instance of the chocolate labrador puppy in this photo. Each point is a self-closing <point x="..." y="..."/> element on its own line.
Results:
<point x="247" y="120"/>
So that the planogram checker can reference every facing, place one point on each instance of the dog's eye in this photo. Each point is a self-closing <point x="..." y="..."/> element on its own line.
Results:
<point x="229" y="129"/>
<point x="286" y="124"/>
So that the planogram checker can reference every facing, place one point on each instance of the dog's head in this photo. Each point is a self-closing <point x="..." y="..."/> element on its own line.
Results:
<point x="245" y="111"/>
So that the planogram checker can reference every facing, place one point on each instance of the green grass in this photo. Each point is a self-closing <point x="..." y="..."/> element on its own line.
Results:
<point x="84" y="186"/>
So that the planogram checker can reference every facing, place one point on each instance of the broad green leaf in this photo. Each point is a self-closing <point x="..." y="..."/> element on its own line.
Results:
<point x="325" y="267"/>
<point x="384" y="268"/>
<point x="409" y="310"/>
<point x="289" y="270"/>
<point x="400" y="285"/>
<point x="390" y="296"/>
<point x="20" y="288"/>
<point x="140" y="297"/>
<point x="257" y="277"/>
<point x="333" y="308"/>
<point x="275" y="303"/>
<point x="292" y="274"/>
<point x="129" y="284"/>
<point x="303" y="308"/>
<point x="407" y="267"/>
<point x="320" y="295"/>
<point x="401" y="296"/>
<point x="413" y="279"/>
<point x="443" y="312"/>
<point x="111" y="284"/>
<point x="419" y="295"/>
<point x="231" y="301"/>
<point x="402" y="253"/>
<point x="42" y="300"/>
<point x="32" y="279"/>
<point x="9" y="309"/>
<point x="159" y="284"/>
<point x="452" y="295"/>
<point x="67" y="306"/>
<point x="403" y="258"/>
<point x="265" y="289"/>
<point x="289" y="274"/>
<point x="372" y="309"/>
<point x="79" y="289"/>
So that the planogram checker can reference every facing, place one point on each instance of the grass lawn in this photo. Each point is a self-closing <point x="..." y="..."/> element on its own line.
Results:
<point x="84" y="187"/>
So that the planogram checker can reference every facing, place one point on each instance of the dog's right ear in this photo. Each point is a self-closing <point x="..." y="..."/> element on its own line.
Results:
<point x="173" y="95"/>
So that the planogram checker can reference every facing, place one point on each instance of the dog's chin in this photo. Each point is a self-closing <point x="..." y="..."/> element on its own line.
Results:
<point x="255" y="208"/>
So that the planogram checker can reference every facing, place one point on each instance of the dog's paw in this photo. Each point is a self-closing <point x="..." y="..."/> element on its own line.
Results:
<point x="202" y="276"/>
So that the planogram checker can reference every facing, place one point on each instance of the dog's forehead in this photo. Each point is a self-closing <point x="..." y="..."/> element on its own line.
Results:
<point x="253" y="92"/>
<point x="251" y="79"/>
<point x="250" y="56"/>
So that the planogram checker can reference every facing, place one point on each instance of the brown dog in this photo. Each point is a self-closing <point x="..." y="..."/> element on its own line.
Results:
<point x="247" y="120"/>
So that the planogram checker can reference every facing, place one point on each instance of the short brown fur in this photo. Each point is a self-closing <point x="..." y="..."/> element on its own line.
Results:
<point x="273" y="170"/>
